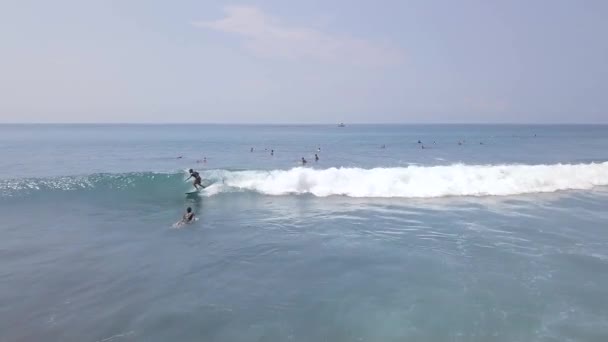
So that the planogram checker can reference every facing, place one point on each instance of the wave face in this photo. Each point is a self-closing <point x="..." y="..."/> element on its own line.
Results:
<point x="140" y="182"/>
<point x="406" y="182"/>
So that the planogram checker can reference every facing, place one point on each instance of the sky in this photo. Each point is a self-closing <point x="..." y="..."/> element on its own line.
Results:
<point x="312" y="61"/>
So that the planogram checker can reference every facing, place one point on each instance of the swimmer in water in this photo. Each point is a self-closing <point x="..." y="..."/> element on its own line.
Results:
<point x="303" y="161"/>
<point x="316" y="157"/>
<point x="188" y="216"/>
<point x="251" y="150"/>
<point x="272" y="152"/>
<point x="197" y="179"/>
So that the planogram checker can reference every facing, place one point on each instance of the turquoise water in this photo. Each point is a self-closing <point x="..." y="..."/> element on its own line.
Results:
<point x="503" y="237"/>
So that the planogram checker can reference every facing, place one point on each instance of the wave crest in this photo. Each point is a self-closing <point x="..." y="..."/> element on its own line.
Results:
<point x="421" y="181"/>
<point x="406" y="182"/>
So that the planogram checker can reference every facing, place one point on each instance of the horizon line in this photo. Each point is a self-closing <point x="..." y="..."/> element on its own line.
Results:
<point x="305" y="124"/>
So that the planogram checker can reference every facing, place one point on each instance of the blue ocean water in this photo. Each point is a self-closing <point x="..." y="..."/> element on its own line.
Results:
<point x="488" y="233"/>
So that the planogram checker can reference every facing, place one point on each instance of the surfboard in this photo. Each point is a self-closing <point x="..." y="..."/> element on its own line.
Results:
<point x="181" y="223"/>
<point x="198" y="190"/>
<point x="204" y="186"/>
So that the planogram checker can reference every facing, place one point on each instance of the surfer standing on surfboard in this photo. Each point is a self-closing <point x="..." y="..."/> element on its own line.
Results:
<point x="197" y="179"/>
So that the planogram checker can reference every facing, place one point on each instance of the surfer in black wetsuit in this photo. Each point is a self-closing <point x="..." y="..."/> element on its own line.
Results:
<point x="197" y="179"/>
<point x="188" y="216"/>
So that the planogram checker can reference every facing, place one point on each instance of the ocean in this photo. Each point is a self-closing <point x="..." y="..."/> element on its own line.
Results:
<point x="396" y="233"/>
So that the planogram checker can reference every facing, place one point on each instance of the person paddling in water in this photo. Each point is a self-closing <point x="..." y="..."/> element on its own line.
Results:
<point x="197" y="179"/>
<point x="188" y="216"/>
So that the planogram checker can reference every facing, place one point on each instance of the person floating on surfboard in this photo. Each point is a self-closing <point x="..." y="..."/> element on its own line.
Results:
<point x="197" y="179"/>
<point x="188" y="216"/>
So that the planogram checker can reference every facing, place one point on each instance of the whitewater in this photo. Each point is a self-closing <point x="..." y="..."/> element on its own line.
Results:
<point x="419" y="181"/>
<point x="406" y="182"/>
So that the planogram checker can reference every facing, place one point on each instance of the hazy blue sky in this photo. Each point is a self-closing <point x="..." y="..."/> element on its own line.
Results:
<point x="306" y="61"/>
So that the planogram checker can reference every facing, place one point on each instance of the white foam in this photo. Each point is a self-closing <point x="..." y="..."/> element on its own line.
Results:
<point x="419" y="181"/>
<point x="213" y="189"/>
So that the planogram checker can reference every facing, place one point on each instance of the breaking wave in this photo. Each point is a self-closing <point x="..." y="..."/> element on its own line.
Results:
<point x="406" y="182"/>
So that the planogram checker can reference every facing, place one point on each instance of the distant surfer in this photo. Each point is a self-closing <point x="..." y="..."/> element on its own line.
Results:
<point x="272" y="152"/>
<point x="197" y="179"/>
<point x="316" y="157"/>
<point x="251" y="150"/>
<point x="303" y="161"/>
